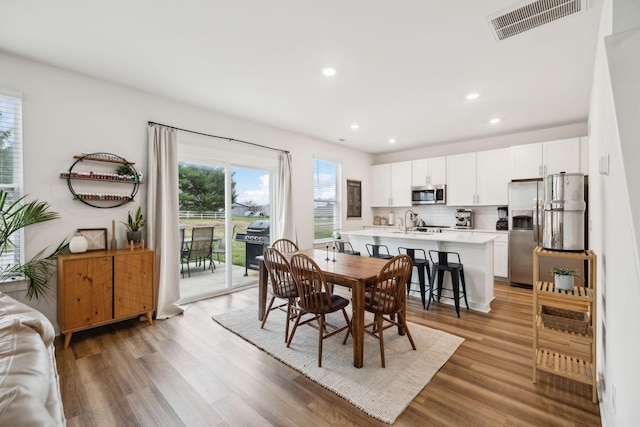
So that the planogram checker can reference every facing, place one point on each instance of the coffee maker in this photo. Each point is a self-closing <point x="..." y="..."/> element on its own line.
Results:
<point x="464" y="218"/>
<point x="503" y="221"/>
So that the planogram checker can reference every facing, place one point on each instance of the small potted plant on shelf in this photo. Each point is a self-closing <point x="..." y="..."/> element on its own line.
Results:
<point x="563" y="277"/>
<point x="134" y="224"/>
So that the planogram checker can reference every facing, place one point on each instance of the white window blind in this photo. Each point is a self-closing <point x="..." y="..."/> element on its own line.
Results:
<point x="11" y="168"/>
<point x="326" y="198"/>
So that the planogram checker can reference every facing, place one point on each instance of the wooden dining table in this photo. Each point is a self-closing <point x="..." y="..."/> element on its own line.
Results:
<point x="352" y="271"/>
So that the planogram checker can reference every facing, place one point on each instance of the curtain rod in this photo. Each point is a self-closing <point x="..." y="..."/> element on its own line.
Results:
<point x="220" y="137"/>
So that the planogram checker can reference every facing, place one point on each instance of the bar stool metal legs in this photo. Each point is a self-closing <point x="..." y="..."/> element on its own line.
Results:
<point x="419" y="260"/>
<point x="457" y="277"/>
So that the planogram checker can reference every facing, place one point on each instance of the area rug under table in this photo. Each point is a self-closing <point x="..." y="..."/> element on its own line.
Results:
<point x="383" y="393"/>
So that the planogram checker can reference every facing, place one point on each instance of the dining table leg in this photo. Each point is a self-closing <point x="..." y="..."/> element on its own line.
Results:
<point x="262" y="289"/>
<point x="357" y="323"/>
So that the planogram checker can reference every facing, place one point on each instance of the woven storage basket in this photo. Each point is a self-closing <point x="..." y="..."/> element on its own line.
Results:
<point x="565" y="320"/>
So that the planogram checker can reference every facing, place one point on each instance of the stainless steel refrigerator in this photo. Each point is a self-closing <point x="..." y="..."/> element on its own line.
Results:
<point x="526" y="204"/>
<point x="526" y="221"/>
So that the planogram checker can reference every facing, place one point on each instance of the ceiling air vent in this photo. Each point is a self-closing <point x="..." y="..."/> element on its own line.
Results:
<point x="518" y="19"/>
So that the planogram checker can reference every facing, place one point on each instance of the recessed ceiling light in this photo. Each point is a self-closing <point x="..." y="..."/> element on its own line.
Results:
<point x="329" y="71"/>
<point x="355" y="126"/>
<point x="494" y="121"/>
<point x="473" y="95"/>
<point x="392" y="140"/>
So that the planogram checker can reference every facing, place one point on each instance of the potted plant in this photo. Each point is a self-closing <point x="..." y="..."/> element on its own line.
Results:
<point x="15" y="216"/>
<point x="563" y="277"/>
<point x="134" y="224"/>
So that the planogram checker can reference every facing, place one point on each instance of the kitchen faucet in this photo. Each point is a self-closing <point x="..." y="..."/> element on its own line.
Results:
<point x="405" y="218"/>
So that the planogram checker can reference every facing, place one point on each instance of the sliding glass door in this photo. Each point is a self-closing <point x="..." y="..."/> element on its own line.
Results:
<point x="226" y="200"/>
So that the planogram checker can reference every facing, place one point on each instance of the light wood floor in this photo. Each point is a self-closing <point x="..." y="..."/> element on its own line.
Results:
<point x="190" y="371"/>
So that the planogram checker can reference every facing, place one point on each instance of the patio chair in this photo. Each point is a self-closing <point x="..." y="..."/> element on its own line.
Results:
<point x="222" y="245"/>
<point x="200" y="248"/>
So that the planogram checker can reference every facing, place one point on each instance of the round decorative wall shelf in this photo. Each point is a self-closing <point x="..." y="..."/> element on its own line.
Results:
<point x="82" y="171"/>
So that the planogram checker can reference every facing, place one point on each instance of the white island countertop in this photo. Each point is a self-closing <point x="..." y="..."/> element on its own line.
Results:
<point x="475" y="250"/>
<point x="458" y="237"/>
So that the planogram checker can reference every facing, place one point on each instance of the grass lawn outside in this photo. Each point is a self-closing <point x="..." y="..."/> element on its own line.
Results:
<point x="241" y="223"/>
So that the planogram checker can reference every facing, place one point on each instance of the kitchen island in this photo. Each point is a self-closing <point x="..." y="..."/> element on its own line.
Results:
<point x="476" y="254"/>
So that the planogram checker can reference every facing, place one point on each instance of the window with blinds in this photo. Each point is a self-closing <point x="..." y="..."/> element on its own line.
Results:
<point x="11" y="169"/>
<point x="326" y="199"/>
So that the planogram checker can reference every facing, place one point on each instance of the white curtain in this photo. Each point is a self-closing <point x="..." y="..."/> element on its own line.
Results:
<point x="283" y="199"/>
<point x="162" y="215"/>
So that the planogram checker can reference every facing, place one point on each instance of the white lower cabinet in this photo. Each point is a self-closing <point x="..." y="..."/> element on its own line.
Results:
<point x="501" y="256"/>
<point x="500" y="251"/>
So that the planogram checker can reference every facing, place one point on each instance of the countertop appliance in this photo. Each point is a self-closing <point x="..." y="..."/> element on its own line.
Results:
<point x="503" y="222"/>
<point x="429" y="228"/>
<point x="428" y="194"/>
<point x="526" y="230"/>
<point x="464" y="218"/>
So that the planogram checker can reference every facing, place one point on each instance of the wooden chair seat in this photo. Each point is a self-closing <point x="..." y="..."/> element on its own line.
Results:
<point x="316" y="299"/>
<point x="282" y="286"/>
<point x="387" y="298"/>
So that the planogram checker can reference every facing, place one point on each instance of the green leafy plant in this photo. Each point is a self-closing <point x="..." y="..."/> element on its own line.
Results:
<point x="17" y="215"/>
<point x="135" y="223"/>
<point x="125" y="169"/>
<point x="564" y="271"/>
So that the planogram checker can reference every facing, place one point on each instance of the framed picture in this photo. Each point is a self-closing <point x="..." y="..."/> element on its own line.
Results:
<point x="354" y="199"/>
<point x="97" y="238"/>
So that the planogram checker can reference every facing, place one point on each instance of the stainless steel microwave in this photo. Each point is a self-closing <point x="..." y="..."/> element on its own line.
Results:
<point x="428" y="195"/>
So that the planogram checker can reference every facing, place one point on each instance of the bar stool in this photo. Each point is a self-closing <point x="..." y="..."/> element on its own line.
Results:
<point x="457" y="275"/>
<point x="420" y="261"/>
<point x="378" y="251"/>
<point x="346" y="248"/>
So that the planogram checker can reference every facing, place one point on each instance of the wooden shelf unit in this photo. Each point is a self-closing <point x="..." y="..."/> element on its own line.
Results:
<point x="100" y="287"/>
<point x="90" y="194"/>
<point x="563" y="359"/>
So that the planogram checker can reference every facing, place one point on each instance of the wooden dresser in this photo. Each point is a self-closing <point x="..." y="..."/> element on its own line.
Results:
<point x="100" y="287"/>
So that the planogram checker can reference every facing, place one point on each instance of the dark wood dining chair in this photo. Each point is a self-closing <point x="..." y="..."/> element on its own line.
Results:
<point x="284" y="245"/>
<point x="315" y="298"/>
<point x="283" y="286"/>
<point x="387" y="298"/>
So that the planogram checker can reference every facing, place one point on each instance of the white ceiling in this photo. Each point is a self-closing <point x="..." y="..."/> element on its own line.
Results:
<point x="404" y="67"/>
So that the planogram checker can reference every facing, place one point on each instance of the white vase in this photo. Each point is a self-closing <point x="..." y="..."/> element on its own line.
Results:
<point x="563" y="281"/>
<point x="78" y="244"/>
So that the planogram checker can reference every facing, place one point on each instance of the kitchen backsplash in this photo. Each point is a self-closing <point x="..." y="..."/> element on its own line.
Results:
<point x="484" y="217"/>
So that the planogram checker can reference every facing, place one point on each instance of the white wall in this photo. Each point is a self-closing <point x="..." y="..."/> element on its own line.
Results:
<point x="613" y="132"/>
<point x="66" y="113"/>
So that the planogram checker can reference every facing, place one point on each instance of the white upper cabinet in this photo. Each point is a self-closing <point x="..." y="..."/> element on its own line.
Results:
<point x="545" y="158"/>
<point x="476" y="179"/>
<point x="431" y="171"/>
<point x="526" y="161"/>
<point x="492" y="177"/>
<point x="461" y="179"/>
<point x="391" y="184"/>
<point x="561" y="156"/>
